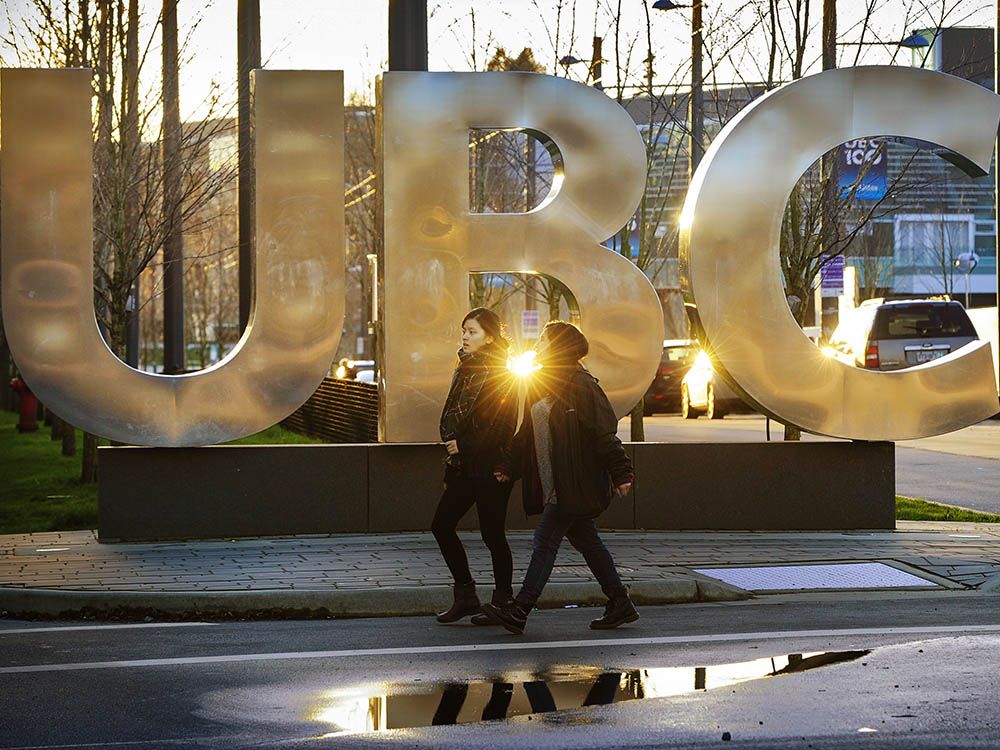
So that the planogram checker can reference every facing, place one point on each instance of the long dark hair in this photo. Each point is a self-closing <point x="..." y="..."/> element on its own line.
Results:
<point x="491" y="324"/>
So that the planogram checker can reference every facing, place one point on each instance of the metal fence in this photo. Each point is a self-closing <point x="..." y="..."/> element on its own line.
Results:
<point x="340" y="411"/>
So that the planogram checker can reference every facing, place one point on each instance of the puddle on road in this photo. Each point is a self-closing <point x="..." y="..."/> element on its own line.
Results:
<point x="403" y="706"/>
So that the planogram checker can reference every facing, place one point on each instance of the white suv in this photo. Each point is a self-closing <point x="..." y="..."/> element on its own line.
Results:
<point x="902" y="333"/>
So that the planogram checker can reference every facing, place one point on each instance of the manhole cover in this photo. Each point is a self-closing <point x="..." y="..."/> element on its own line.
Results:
<point x="835" y="576"/>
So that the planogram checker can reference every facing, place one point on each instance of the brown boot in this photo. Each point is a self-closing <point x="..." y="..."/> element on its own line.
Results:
<point x="466" y="603"/>
<point x="499" y="599"/>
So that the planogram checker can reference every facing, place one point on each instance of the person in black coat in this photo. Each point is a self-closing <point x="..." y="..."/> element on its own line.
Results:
<point x="477" y="427"/>
<point x="571" y="464"/>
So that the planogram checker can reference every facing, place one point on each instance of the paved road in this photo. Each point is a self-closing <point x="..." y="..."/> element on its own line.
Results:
<point x="703" y="671"/>
<point x="960" y="468"/>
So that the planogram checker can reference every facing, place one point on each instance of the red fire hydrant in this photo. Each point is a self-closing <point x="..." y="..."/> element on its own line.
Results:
<point x="29" y="406"/>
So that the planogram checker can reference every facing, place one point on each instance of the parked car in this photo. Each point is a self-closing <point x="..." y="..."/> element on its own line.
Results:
<point x="897" y="334"/>
<point x="664" y="393"/>
<point x="704" y="392"/>
<point x="349" y="369"/>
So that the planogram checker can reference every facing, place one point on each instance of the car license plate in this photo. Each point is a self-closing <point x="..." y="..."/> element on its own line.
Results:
<point x="930" y="354"/>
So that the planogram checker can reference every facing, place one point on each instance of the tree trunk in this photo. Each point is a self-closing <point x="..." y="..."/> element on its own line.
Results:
<point x="248" y="58"/>
<point x="637" y="432"/>
<point x="68" y="439"/>
<point x="57" y="427"/>
<point x="173" y="247"/>
<point x="6" y="372"/>
<point x="554" y="296"/>
<point x="103" y="157"/>
<point x="131" y="147"/>
<point x="89" y="472"/>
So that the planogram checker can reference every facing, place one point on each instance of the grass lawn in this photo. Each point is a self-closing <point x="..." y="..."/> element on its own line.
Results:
<point x="915" y="509"/>
<point x="40" y="489"/>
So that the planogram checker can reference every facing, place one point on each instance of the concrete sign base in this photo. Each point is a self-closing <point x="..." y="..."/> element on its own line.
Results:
<point x="225" y="491"/>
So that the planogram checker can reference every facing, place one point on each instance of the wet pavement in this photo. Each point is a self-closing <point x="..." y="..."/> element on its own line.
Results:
<point x="383" y="707"/>
<point x="829" y="670"/>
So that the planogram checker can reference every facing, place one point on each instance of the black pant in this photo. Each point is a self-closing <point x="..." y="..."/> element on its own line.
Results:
<point x="582" y="534"/>
<point x="490" y="498"/>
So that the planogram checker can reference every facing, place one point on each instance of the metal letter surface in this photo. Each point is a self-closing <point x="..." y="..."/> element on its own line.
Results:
<point x="433" y="242"/>
<point x="730" y="229"/>
<point x="47" y="252"/>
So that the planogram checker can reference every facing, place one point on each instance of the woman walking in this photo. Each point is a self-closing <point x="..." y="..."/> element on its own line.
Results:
<point x="571" y="464"/>
<point x="477" y="426"/>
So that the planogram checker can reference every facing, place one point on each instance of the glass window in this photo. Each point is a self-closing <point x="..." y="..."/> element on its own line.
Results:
<point x="921" y="321"/>
<point x="678" y="354"/>
<point x="933" y="240"/>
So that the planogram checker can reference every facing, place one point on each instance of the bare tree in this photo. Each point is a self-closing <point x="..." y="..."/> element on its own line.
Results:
<point x="131" y="223"/>
<point x="872" y="254"/>
<point x="132" y="220"/>
<point x="512" y="171"/>
<point x="361" y="211"/>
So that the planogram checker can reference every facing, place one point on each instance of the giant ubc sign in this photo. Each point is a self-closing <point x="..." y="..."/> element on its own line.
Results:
<point x="730" y="228"/>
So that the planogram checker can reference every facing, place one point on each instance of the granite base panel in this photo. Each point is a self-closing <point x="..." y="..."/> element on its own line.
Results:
<point x="148" y="494"/>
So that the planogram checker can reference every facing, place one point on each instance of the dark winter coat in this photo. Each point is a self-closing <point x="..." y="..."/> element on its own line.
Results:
<point x="588" y="460"/>
<point x="480" y="413"/>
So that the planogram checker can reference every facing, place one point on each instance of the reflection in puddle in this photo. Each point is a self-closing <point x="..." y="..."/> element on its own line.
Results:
<point x="401" y="706"/>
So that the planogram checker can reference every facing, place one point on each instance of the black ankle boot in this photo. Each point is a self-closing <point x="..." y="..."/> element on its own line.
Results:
<point x="499" y="599"/>
<point x="618" y="611"/>
<point x="511" y="616"/>
<point x="466" y="603"/>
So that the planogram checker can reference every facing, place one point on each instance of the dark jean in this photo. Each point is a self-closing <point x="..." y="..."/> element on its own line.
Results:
<point x="490" y="498"/>
<point x="582" y="534"/>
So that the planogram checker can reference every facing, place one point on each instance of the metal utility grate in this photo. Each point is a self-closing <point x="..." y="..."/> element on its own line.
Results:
<point x="873" y="575"/>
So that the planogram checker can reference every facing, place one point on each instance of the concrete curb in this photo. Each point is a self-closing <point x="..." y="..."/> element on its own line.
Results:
<point x="991" y="585"/>
<point x="305" y="604"/>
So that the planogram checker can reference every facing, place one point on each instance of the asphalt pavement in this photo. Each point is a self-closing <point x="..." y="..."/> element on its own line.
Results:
<point x="961" y="468"/>
<point x="873" y="670"/>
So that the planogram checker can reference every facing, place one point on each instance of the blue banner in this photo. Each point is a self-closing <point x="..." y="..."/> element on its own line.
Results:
<point x="862" y="168"/>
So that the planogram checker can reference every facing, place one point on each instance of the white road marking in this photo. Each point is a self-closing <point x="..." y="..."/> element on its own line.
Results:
<point x="68" y="628"/>
<point x="503" y="646"/>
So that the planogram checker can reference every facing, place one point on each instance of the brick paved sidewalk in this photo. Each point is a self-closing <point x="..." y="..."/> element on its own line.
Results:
<point x="404" y="573"/>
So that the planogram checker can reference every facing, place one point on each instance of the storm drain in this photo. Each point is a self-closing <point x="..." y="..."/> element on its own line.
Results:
<point x="872" y="575"/>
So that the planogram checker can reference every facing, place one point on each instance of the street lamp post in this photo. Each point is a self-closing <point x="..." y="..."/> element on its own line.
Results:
<point x="966" y="263"/>
<point x="407" y="34"/>
<point x="594" y="68"/>
<point x="827" y="306"/>
<point x="696" y="111"/>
